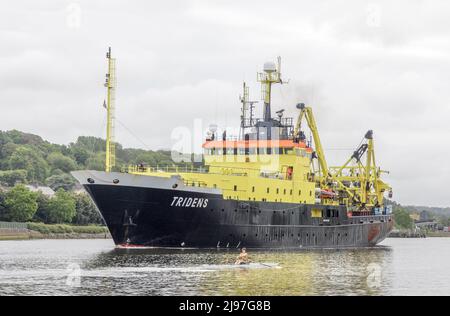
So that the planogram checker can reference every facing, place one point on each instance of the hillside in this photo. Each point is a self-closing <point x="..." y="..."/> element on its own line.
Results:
<point x="28" y="158"/>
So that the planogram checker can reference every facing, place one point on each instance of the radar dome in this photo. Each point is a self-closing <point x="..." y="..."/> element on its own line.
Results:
<point x="213" y="128"/>
<point x="270" y="67"/>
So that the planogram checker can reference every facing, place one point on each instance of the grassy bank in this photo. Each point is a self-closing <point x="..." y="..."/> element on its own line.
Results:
<point x="66" y="229"/>
<point x="438" y="234"/>
<point x="20" y="231"/>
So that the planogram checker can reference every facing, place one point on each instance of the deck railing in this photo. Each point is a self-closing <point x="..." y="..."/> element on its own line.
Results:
<point x="168" y="169"/>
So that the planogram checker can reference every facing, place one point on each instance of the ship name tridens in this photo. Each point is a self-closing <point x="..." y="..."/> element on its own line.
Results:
<point x="189" y="202"/>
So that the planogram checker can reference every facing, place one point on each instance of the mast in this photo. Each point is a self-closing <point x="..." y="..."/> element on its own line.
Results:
<point x="271" y="74"/>
<point x="110" y="85"/>
<point x="247" y="109"/>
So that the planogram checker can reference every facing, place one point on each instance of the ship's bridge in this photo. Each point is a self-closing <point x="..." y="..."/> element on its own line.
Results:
<point x="255" y="147"/>
<point x="282" y="159"/>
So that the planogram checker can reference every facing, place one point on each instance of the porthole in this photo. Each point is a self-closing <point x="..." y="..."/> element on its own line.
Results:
<point x="90" y="180"/>
<point x="115" y="181"/>
<point x="174" y="186"/>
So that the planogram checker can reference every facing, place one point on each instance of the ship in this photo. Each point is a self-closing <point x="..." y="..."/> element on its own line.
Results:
<point x="269" y="187"/>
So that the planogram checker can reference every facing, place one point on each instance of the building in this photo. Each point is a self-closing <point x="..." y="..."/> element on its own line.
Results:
<point x="47" y="191"/>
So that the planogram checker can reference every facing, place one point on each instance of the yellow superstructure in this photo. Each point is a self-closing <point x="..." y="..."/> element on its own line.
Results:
<point x="276" y="165"/>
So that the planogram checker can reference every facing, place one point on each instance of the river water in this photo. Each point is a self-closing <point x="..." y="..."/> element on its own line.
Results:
<point x="95" y="267"/>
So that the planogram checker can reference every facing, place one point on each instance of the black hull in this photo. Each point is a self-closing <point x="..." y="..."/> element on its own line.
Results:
<point x="155" y="217"/>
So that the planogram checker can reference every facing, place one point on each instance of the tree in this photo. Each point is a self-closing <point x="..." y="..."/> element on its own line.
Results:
<point x="86" y="212"/>
<point x="61" y="208"/>
<point x="20" y="204"/>
<point x="96" y="162"/>
<point x="11" y="177"/>
<point x="80" y="154"/>
<point x="3" y="214"/>
<point x="59" y="161"/>
<point x="41" y="214"/>
<point x="64" y="181"/>
<point x="402" y="218"/>
<point x="27" y="158"/>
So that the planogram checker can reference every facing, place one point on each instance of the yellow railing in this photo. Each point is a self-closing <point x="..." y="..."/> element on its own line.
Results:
<point x="168" y="169"/>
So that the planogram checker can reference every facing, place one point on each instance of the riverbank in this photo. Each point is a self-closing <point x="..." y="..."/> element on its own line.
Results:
<point x="417" y="234"/>
<point x="25" y="231"/>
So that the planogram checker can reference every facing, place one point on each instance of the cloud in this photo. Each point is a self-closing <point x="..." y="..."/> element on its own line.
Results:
<point x="360" y="64"/>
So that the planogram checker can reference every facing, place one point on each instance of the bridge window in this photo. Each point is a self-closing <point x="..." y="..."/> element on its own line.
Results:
<point x="284" y="191"/>
<point x="277" y="151"/>
<point x="269" y="150"/>
<point x="268" y="190"/>
<point x="230" y="151"/>
<point x="290" y="192"/>
<point x="278" y="190"/>
<point x="253" y="189"/>
<point x="235" y="188"/>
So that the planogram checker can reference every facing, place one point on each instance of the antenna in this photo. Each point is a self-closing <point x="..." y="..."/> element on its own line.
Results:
<point x="247" y="106"/>
<point x="110" y="85"/>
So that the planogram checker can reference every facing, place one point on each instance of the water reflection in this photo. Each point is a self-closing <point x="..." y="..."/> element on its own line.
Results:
<point x="188" y="271"/>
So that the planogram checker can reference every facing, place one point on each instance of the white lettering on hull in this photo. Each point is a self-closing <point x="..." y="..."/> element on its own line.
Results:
<point x="189" y="202"/>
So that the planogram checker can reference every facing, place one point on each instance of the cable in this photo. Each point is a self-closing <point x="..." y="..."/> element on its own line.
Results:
<point x="134" y="135"/>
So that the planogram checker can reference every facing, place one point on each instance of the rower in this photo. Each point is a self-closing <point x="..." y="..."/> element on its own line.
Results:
<point x="243" y="257"/>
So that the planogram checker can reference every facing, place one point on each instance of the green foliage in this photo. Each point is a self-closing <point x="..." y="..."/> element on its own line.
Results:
<point x="11" y="177"/>
<point x="66" y="229"/>
<point x="20" y="204"/>
<point x="61" y="208"/>
<point x="86" y="212"/>
<point x="62" y="181"/>
<point x="96" y="162"/>
<point x="58" y="161"/>
<point x="402" y="218"/>
<point x="28" y="159"/>
<point x="80" y="154"/>
<point x="3" y="213"/>
<point x="41" y="214"/>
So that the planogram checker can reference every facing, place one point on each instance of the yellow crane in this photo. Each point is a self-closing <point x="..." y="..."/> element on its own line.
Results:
<point x="355" y="184"/>
<point x="110" y="85"/>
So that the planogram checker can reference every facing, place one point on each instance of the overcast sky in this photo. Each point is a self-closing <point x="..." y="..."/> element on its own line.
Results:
<point x="361" y="65"/>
